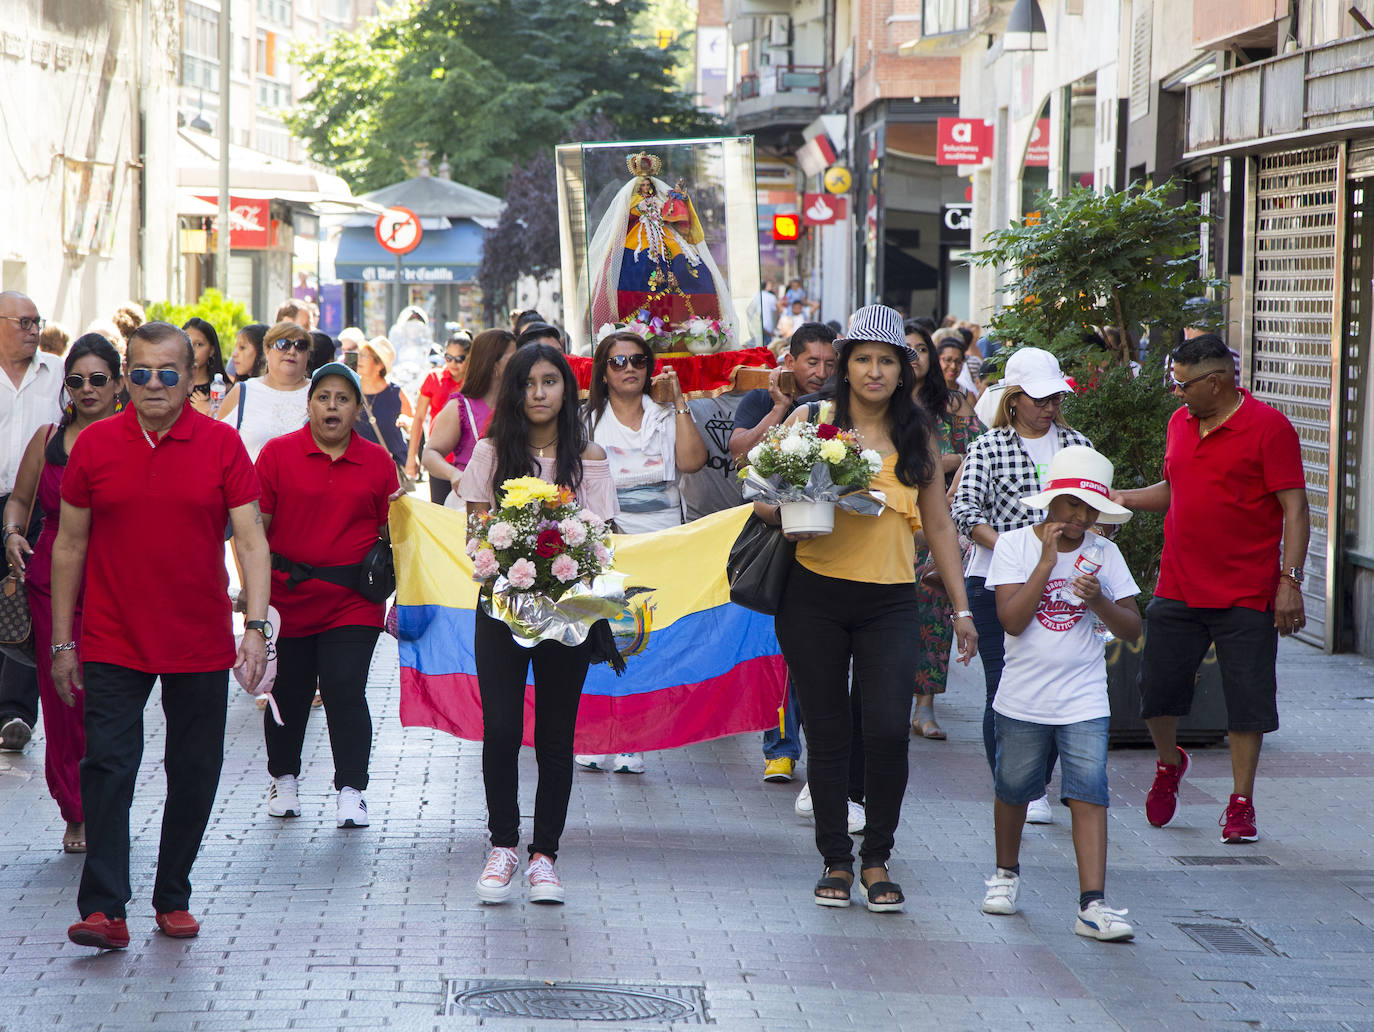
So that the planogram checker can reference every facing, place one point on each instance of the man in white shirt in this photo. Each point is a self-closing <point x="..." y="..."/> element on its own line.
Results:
<point x="30" y="397"/>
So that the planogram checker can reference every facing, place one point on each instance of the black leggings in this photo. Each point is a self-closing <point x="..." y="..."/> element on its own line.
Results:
<point x="337" y="660"/>
<point x="821" y="623"/>
<point x="559" y="671"/>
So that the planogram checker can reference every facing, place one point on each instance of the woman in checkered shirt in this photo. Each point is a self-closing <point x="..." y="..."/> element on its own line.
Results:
<point x="1004" y="465"/>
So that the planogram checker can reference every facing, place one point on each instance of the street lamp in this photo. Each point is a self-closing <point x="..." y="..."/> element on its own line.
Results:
<point x="1025" y="28"/>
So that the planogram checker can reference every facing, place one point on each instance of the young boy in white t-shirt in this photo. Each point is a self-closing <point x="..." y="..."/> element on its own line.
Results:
<point x="1054" y="686"/>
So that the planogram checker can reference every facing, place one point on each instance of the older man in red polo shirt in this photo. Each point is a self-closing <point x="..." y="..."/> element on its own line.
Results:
<point x="145" y="499"/>
<point x="1233" y="489"/>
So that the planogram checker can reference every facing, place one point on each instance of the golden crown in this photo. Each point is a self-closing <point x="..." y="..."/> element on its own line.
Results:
<point x="644" y="164"/>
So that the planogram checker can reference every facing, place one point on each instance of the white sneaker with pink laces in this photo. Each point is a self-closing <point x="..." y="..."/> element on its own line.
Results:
<point x="494" y="885"/>
<point x="545" y="886"/>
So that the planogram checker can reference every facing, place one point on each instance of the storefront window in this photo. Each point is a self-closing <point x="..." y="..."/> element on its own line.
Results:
<point x="1035" y="164"/>
<point x="1080" y="120"/>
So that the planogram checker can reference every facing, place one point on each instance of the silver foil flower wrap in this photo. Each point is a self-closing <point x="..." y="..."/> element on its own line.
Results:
<point x="819" y="487"/>
<point x="533" y="617"/>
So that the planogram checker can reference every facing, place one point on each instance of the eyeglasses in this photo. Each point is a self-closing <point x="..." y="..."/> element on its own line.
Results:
<point x="26" y="323"/>
<point x="1052" y="401"/>
<point x="1183" y="385"/>
<point x="140" y="377"/>
<point x="303" y="345"/>
<point x="639" y="361"/>
<point x="456" y="359"/>
<point x="75" y="381"/>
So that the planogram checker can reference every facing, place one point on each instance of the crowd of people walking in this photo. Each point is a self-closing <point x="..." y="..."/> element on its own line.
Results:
<point x="993" y="539"/>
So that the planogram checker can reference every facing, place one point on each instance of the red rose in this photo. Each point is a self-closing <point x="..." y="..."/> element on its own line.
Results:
<point x="549" y="543"/>
<point x="825" y="431"/>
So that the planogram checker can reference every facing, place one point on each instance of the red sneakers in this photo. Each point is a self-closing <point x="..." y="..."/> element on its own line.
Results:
<point x="1162" y="801"/>
<point x="179" y="924"/>
<point x="1238" y="822"/>
<point x="104" y="933"/>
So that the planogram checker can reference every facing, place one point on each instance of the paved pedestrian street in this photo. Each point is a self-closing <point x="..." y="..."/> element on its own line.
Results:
<point x="693" y="882"/>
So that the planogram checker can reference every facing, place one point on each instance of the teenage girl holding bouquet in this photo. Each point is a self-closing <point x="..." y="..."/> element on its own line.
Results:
<point x="850" y="597"/>
<point x="535" y="430"/>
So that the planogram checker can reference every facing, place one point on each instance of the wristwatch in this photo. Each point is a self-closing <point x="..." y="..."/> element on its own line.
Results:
<point x="261" y="626"/>
<point x="62" y="646"/>
<point x="963" y="612"/>
<point x="1294" y="573"/>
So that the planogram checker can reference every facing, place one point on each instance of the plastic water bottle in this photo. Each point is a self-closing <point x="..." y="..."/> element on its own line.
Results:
<point x="218" y="389"/>
<point x="1089" y="561"/>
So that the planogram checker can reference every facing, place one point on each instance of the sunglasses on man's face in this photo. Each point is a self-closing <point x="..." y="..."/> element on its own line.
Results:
<point x="639" y="361"/>
<point x="75" y="381"/>
<point x="302" y="345"/>
<point x="141" y="376"/>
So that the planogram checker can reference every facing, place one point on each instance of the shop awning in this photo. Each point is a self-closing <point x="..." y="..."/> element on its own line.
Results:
<point x="255" y="175"/>
<point x="443" y="256"/>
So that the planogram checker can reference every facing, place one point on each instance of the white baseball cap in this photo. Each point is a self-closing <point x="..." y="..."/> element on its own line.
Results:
<point x="1036" y="372"/>
<point x="1086" y="475"/>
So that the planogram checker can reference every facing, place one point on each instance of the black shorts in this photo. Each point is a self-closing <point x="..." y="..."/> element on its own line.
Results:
<point x="1176" y="640"/>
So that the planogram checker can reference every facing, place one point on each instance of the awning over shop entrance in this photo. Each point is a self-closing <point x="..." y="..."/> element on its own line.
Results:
<point x="443" y="256"/>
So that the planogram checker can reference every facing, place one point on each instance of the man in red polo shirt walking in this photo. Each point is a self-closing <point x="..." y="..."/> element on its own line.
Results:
<point x="145" y="500"/>
<point x="1233" y="488"/>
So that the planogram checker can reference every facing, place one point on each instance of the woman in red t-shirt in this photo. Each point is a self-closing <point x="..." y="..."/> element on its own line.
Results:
<point x="456" y="430"/>
<point x="435" y="391"/>
<point x="325" y="496"/>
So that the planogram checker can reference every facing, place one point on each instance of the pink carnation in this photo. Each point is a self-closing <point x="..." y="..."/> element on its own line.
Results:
<point x="484" y="564"/>
<point x="521" y="574"/>
<point x="501" y="534"/>
<point x="564" y="568"/>
<point x="473" y="545"/>
<point x="574" y="531"/>
<point x="603" y="555"/>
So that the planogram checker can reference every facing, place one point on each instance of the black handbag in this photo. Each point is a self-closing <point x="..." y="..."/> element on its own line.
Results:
<point x="16" y="626"/>
<point x="759" y="565"/>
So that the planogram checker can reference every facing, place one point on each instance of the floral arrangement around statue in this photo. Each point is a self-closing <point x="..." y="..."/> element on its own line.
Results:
<point x="544" y="563"/>
<point x="809" y="468"/>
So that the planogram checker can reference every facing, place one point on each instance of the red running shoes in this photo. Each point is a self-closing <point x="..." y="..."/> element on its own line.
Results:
<point x="1161" y="804"/>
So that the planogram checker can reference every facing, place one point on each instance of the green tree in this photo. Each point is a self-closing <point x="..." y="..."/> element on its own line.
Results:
<point x="226" y="315"/>
<point x="487" y="82"/>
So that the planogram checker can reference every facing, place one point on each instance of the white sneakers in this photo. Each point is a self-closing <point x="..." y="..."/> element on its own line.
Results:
<point x="1002" y="892"/>
<point x="1039" y="812"/>
<point x="495" y="884"/>
<point x="803" y="808"/>
<point x="1099" y="921"/>
<point x="283" y="799"/>
<point x="545" y="886"/>
<point x="858" y="820"/>
<point x="352" y="809"/>
<point x="621" y="763"/>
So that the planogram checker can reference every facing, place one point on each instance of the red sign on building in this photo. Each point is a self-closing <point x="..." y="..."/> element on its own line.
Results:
<point x="250" y="222"/>
<point x="963" y="141"/>
<point x="822" y="209"/>
<point x="1038" y="150"/>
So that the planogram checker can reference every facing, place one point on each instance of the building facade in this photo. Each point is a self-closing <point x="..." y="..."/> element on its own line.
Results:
<point x="88" y="112"/>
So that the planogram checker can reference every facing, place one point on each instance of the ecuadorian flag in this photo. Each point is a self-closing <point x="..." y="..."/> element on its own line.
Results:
<point x="707" y="668"/>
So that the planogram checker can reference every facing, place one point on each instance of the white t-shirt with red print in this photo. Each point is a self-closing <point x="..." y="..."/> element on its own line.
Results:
<point x="1056" y="669"/>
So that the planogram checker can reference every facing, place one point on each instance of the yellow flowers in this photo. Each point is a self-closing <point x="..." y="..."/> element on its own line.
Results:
<point x="523" y="490"/>
<point x="833" y="450"/>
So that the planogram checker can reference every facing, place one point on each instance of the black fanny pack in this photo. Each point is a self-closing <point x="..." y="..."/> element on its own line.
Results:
<point x="374" y="578"/>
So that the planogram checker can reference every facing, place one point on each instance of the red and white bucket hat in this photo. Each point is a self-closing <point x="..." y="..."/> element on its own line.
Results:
<point x="1087" y="475"/>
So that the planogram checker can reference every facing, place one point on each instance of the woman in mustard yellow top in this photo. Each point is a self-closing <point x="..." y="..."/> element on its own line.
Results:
<point x="851" y="596"/>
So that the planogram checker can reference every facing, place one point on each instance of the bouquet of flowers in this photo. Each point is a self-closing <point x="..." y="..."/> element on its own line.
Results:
<point x="658" y="334"/>
<point x="808" y="469"/>
<point x="546" y="563"/>
<point x="703" y="336"/>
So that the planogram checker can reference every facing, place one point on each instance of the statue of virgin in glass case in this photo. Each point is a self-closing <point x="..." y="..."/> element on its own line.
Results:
<point x="678" y="263"/>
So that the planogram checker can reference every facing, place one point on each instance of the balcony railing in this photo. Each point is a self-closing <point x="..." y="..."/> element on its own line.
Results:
<point x="748" y="87"/>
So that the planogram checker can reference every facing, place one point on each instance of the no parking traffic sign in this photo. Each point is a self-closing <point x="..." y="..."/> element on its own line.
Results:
<point x="398" y="230"/>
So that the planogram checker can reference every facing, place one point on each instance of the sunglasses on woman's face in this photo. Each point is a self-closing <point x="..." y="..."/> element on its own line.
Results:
<point x="302" y="345"/>
<point x="140" y="377"/>
<point x="456" y="359"/>
<point x="639" y="361"/>
<point x="75" y="381"/>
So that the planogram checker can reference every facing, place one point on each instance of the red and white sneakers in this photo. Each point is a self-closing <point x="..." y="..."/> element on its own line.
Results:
<point x="1161" y="803"/>
<point x="1238" y="822"/>
<point x="494" y="886"/>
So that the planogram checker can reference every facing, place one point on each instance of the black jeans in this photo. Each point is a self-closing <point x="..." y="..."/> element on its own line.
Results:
<point x="559" y="671"/>
<point x="821" y="623"/>
<point x="982" y="602"/>
<point x="195" y="706"/>
<point x="337" y="660"/>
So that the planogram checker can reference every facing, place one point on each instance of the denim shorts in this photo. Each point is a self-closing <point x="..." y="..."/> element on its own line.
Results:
<point x="1021" y="751"/>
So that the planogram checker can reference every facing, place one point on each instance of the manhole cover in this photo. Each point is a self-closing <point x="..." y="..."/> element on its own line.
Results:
<point x="1247" y="860"/>
<point x="1230" y="939"/>
<point x="578" y="1001"/>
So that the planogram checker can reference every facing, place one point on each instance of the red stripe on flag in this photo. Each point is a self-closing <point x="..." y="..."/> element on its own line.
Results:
<point x="744" y="699"/>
